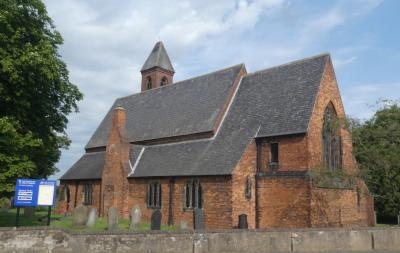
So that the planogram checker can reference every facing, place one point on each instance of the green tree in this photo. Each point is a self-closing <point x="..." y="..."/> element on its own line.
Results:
<point x="35" y="90"/>
<point x="377" y="150"/>
<point x="16" y="152"/>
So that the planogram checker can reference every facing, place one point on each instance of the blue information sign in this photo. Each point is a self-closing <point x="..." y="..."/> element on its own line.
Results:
<point x="32" y="192"/>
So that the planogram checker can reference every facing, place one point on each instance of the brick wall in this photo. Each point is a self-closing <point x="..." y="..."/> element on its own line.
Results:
<point x="292" y="153"/>
<point x="284" y="202"/>
<point x="245" y="170"/>
<point x="328" y="92"/>
<point x="338" y="208"/>
<point x="334" y="207"/>
<point x="217" y="196"/>
<point x="76" y="189"/>
<point x="156" y="74"/>
<point x="114" y="183"/>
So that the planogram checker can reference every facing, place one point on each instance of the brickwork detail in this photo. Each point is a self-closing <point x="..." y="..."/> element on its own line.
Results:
<point x="114" y="183"/>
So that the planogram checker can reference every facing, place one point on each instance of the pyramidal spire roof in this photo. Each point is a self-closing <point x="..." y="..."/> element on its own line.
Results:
<point x="158" y="58"/>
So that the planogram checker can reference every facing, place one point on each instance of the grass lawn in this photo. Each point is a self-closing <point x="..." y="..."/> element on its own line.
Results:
<point x="7" y="219"/>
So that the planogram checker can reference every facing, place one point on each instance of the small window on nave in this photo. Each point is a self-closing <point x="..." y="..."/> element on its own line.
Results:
<point x="193" y="194"/>
<point x="88" y="194"/>
<point x="154" y="195"/>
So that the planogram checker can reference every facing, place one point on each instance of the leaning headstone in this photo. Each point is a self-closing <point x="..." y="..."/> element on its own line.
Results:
<point x="5" y="205"/>
<point x="136" y="216"/>
<point x="243" y="221"/>
<point x="398" y="219"/>
<point x="112" y="218"/>
<point x="156" y="220"/>
<point x="80" y="216"/>
<point x="198" y="219"/>
<point x="92" y="217"/>
<point x="29" y="211"/>
<point x="184" y="225"/>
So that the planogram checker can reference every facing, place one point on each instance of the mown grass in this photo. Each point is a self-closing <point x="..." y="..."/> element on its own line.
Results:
<point x="7" y="219"/>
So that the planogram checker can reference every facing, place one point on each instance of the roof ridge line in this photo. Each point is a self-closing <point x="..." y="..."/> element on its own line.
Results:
<point x="290" y="63"/>
<point x="181" y="81"/>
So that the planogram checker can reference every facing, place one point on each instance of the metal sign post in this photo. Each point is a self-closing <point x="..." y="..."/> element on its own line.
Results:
<point x="17" y="218"/>
<point x="32" y="192"/>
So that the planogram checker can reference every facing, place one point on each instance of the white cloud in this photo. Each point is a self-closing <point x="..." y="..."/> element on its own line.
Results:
<point x="360" y="100"/>
<point x="338" y="63"/>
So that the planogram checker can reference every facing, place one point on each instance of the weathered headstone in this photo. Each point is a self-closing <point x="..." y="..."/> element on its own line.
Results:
<point x="398" y="219"/>
<point x="184" y="225"/>
<point x="243" y="221"/>
<point x="136" y="217"/>
<point x="5" y="205"/>
<point x="29" y="211"/>
<point x="198" y="219"/>
<point x="80" y="216"/>
<point x="156" y="220"/>
<point x="92" y="217"/>
<point x="112" y="218"/>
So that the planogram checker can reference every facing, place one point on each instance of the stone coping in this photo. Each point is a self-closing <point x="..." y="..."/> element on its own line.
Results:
<point x="183" y="232"/>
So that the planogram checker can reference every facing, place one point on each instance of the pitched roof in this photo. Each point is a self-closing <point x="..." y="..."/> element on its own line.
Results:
<point x="281" y="97"/>
<point x="89" y="166"/>
<point x="158" y="58"/>
<point x="271" y="102"/>
<point x="188" y="107"/>
<point x="287" y="95"/>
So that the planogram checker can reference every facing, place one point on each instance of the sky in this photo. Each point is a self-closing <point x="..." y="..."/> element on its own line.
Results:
<point x="107" y="42"/>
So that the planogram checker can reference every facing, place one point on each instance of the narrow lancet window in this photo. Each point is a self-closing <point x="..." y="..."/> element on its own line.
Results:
<point x="331" y="140"/>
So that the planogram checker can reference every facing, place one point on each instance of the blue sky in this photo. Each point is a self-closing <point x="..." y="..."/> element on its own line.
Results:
<point x="106" y="43"/>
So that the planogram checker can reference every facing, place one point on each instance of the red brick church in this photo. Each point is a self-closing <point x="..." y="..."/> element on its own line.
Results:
<point x="271" y="144"/>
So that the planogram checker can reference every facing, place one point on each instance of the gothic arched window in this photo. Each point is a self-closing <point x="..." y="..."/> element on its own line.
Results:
<point x="148" y="83"/>
<point x="332" y="144"/>
<point x="164" y="81"/>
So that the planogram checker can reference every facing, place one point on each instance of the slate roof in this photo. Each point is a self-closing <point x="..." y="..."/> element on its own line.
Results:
<point x="89" y="166"/>
<point x="187" y="107"/>
<point x="271" y="102"/>
<point x="158" y="58"/>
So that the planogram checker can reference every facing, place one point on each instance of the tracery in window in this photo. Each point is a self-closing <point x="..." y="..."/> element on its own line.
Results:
<point x="193" y="194"/>
<point x="88" y="192"/>
<point x="154" y="195"/>
<point x="332" y="144"/>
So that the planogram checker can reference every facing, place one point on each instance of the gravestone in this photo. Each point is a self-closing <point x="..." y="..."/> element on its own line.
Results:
<point x="398" y="219"/>
<point x="243" y="221"/>
<point x="184" y="225"/>
<point x="5" y="205"/>
<point x="92" y="217"/>
<point x="198" y="219"/>
<point x="80" y="216"/>
<point x="112" y="218"/>
<point x="29" y="211"/>
<point x="156" y="220"/>
<point x="136" y="216"/>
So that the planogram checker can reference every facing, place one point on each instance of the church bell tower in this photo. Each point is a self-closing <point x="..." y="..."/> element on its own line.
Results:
<point x="157" y="71"/>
